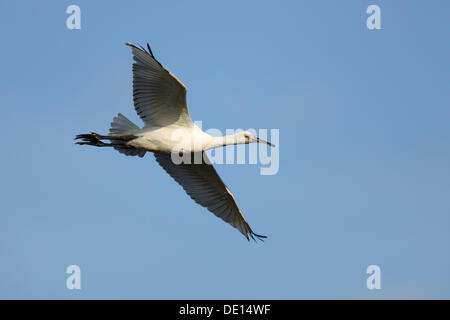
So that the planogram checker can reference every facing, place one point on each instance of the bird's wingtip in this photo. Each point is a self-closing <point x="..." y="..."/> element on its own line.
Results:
<point x="256" y="236"/>
<point x="149" y="52"/>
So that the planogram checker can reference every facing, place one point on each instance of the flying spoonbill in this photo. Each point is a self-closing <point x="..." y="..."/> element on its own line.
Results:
<point x="160" y="100"/>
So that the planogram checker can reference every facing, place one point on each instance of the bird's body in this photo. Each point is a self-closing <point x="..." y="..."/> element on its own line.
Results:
<point x="160" y="100"/>
<point x="173" y="138"/>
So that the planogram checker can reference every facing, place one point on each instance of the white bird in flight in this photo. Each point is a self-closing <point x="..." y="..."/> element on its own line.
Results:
<point x="160" y="100"/>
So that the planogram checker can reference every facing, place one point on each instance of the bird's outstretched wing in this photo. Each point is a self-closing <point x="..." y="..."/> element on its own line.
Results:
<point x="159" y="97"/>
<point x="202" y="183"/>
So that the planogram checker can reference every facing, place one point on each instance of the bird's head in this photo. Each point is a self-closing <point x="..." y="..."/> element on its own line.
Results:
<point x="247" y="137"/>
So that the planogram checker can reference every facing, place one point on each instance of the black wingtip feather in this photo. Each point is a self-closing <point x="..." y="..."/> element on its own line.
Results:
<point x="260" y="237"/>
<point x="142" y="48"/>
<point x="148" y="51"/>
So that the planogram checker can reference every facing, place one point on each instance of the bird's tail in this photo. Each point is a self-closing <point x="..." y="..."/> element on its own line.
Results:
<point x="122" y="130"/>
<point x="121" y="126"/>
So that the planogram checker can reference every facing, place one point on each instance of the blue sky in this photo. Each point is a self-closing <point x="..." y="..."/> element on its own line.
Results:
<point x="364" y="150"/>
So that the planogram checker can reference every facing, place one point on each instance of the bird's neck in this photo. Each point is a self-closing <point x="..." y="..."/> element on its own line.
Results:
<point x="222" y="141"/>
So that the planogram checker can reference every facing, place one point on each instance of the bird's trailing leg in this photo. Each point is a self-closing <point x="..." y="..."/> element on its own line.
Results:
<point x="91" y="139"/>
<point x="94" y="139"/>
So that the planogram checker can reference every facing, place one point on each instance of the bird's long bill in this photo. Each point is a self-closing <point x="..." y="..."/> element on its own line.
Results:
<point x="264" y="141"/>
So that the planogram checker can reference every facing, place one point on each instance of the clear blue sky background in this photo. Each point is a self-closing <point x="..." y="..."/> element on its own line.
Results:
<point x="364" y="150"/>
